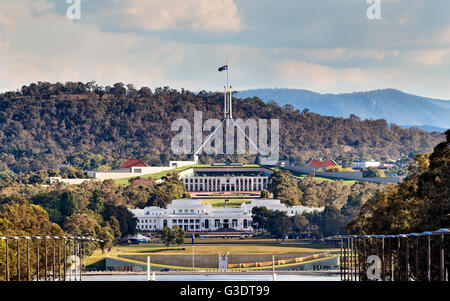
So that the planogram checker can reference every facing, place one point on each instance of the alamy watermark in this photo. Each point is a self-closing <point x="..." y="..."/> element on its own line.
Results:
<point x="227" y="137"/>
<point x="374" y="10"/>
<point x="73" y="11"/>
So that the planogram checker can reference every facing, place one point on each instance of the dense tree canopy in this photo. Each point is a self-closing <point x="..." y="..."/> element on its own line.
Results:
<point x="46" y="126"/>
<point x="420" y="203"/>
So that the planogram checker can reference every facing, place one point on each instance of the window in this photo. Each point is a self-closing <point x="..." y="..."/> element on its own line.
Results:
<point x="174" y="221"/>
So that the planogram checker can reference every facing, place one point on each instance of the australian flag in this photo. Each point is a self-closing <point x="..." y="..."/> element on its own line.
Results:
<point x="224" y="68"/>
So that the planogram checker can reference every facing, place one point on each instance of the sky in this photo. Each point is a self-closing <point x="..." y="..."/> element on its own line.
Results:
<point x="327" y="46"/>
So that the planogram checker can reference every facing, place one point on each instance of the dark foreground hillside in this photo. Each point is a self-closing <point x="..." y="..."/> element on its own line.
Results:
<point x="45" y="125"/>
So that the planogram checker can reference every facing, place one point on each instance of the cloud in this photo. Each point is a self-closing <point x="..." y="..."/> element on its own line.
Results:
<point x="197" y="15"/>
<point x="322" y="78"/>
<point x="428" y="57"/>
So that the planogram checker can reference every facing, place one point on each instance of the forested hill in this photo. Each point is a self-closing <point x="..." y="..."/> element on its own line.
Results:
<point x="393" y="105"/>
<point x="45" y="125"/>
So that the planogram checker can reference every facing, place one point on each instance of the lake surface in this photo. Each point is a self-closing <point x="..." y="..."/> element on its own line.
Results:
<point x="215" y="277"/>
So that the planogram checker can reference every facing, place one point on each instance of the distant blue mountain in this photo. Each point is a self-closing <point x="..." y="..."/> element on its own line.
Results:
<point x="392" y="105"/>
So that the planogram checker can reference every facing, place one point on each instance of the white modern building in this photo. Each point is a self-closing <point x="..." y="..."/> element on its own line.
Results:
<point x="365" y="164"/>
<point x="221" y="179"/>
<point x="193" y="216"/>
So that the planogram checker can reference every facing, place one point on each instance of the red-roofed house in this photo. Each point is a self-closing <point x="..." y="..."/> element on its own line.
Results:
<point x="317" y="163"/>
<point x="133" y="163"/>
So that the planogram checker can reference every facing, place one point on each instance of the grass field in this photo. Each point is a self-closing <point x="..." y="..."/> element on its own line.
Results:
<point x="210" y="246"/>
<point x="321" y="179"/>
<point x="213" y="246"/>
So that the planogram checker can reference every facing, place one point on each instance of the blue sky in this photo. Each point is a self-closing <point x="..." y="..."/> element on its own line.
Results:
<point x="328" y="46"/>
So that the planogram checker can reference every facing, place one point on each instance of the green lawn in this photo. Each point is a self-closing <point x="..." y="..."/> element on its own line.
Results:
<point x="213" y="246"/>
<point x="321" y="179"/>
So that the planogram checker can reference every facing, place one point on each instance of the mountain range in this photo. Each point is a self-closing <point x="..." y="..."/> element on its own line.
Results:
<point x="394" y="106"/>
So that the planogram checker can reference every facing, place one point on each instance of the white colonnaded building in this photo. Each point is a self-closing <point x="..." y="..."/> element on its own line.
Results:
<point x="194" y="216"/>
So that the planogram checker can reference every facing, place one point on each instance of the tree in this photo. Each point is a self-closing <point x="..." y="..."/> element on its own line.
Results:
<point x="179" y="235"/>
<point x="282" y="185"/>
<point x="260" y="218"/>
<point x="68" y="204"/>
<point x="373" y="172"/>
<point x="167" y="236"/>
<point x="97" y="202"/>
<point x="279" y="224"/>
<point x="20" y="218"/>
<point x="299" y="223"/>
<point x="265" y="194"/>
<point x="89" y="224"/>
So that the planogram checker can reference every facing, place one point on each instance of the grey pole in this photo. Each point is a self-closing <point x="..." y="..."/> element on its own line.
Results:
<point x="54" y="258"/>
<point x="391" y="259"/>
<point x="407" y="259"/>
<point x="18" y="259"/>
<point x="28" y="259"/>
<point x="79" y="255"/>
<point x="340" y="257"/>
<point x="37" y="257"/>
<point x="442" y="232"/>
<point x="399" y="273"/>
<point x="59" y="259"/>
<point x="428" y="234"/>
<point x="7" y="260"/>
<point x="350" y="258"/>
<point x="416" y="276"/>
<point x="383" y="269"/>
<point x="65" y="258"/>
<point x="71" y="258"/>
<point x="46" y="259"/>
<point x="417" y="258"/>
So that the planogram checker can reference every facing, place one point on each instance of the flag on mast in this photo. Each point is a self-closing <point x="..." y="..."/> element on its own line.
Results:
<point x="224" y="68"/>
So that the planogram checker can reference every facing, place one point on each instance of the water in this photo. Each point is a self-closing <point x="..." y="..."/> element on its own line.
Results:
<point x="215" y="277"/>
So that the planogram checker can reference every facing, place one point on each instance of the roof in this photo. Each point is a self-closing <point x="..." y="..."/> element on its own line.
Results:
<point x="317" y="163"/>
<point x="133" y="163"/>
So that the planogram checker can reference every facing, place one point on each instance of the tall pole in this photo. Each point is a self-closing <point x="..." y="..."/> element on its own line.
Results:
<point x="71" y="259"/>
<point x="417" y="258"/>
<point x="54" y="258"/>
<point x="46" y="260"/>
<point x="7" y="260"/>
<point x="442" y="261"/>
<point x="407" y="259"/>
<point x="18" y="259"/>
<point x="79" y="255"/>
<point x="65" y="258"/>
<point x="429" y="259"/>
<point x="382" y="260"/>
<point x="37" y="259"/>
<point x="341" y="258"/>
<point x="28" y="260"/>
<point x="148" y="268"/>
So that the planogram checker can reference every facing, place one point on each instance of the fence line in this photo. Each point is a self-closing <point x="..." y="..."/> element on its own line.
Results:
<point x="388" y="258"/>
<point x="72" y="247"/>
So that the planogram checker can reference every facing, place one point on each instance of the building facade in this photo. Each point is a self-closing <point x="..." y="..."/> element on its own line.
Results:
<point x="238" y="179"/>
<point x="193" y="216"/>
